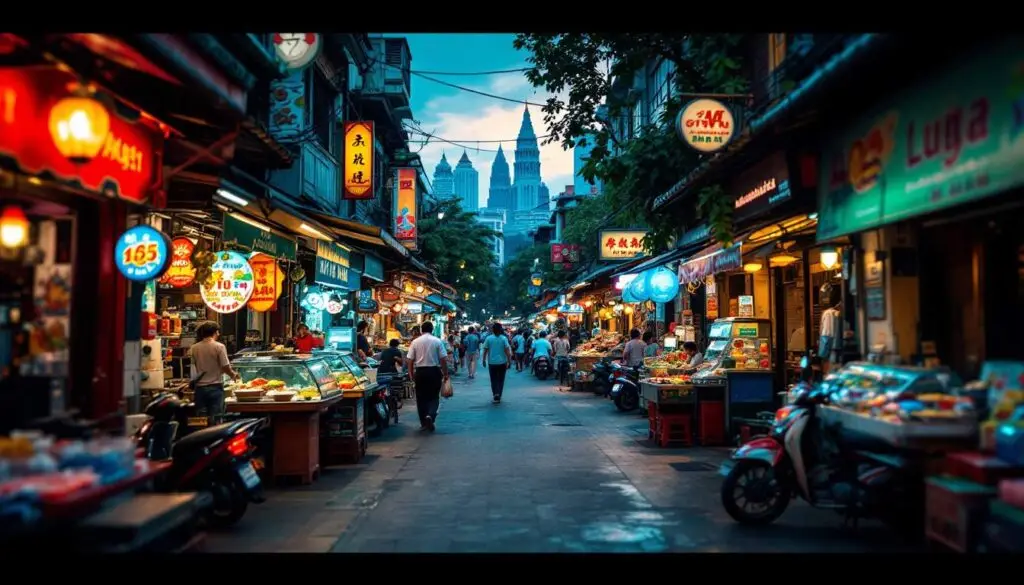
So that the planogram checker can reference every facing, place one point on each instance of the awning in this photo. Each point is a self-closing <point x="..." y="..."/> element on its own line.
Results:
<point x="663" y="259"/>
<point x="441" y="302"/>
<point x="551" y="304"/>
<point x="362" y="233"/>
<point x="593" y="275"/>
<point x="711" y="260"/>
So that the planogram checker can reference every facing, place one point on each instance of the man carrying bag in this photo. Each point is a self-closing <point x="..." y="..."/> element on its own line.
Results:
<point x="427" y="362"/>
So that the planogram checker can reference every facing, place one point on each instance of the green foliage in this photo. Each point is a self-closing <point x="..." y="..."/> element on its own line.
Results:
<point x="458" y="248"/>
<point x="515" y="277"/>
<point x="590" y="216"/>
<point x="633" y="173"/>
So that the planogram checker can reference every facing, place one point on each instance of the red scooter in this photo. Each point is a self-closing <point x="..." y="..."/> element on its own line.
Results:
<point x="801" y="457"/>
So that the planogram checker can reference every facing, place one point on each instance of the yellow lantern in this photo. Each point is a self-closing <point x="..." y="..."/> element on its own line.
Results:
<point x="79" y="126"/>
<point x="629" y="310"/>
<point x="752" y="266"/>
<point x="13" y="227"/>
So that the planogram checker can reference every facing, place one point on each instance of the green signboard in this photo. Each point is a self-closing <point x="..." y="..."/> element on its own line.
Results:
<point x="951" y="140"/>
<point x="256" y="239"/>
<point x="748" y="331"/>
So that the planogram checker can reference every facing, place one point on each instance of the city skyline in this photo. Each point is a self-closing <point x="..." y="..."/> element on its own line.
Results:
<point x="459" y="116"/>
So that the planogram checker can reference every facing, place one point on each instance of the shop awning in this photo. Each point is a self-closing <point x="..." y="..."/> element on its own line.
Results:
<point x="362" y="233"/>
<point x="650" y="263"/>
<point x="441" y="302"/>
<point x="551" y="305"/>
<point x="593" y="275"/>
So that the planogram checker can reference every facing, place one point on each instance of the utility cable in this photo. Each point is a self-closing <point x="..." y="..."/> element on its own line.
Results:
<point x="478" y="92"/>
<point x="465" y="73"/>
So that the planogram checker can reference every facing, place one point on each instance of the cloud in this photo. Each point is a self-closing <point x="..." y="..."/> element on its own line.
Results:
<point x="463" y="117"/>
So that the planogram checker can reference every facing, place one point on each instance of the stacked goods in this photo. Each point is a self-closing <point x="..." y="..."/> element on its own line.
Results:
<point x="598" y="346"/>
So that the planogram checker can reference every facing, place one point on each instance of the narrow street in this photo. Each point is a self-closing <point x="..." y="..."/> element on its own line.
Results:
<point x="545" y="471"/>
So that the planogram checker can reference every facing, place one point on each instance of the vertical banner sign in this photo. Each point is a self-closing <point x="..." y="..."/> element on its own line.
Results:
<point x="358" y="160"/>
<point x="268" y="279"/>
<point x="405" y="207"/>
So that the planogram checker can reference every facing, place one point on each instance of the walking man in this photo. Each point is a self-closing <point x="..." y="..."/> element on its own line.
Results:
<point x="519" y="342"/>
<point x="427" y="361"/>
<point x="497" y="355"/>
<point x="472" y="342"/>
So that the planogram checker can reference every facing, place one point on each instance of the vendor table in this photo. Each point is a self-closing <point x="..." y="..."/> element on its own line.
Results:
<point x="344" y="431"/>
<point x="296" y="429"/>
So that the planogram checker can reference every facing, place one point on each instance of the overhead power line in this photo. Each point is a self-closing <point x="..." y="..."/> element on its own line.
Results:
<point x="471" y="140"/>
<point x="478" y="92"/>
<point x="466" y="73"/>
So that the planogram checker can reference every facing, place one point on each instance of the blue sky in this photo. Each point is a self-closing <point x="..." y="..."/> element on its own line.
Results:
<point x="461" y="116"/>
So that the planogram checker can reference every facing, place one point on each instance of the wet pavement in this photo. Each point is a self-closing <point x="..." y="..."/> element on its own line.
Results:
<point x="545" y="471"/>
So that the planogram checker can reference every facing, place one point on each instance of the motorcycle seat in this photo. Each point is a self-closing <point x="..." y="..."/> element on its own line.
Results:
<point x="204" y="437"/>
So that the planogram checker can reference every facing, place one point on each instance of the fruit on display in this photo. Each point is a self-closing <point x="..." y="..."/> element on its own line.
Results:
<point x="670" y="380"/>
<point x="309" y="393"/>
<point x="257" y="382"/>
<point x="274" y="385"/>
<point x="346" y="381"/>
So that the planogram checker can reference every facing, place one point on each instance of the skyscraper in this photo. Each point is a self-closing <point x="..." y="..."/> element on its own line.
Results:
<point x="444" y="180"/>
<point x="499" y="196"/>
<point x="467" y="184"/>
<point x="580" y="154"/>
<point x="526" y="185"/>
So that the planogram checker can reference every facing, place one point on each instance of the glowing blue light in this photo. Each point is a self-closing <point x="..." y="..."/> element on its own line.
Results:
<point x="627" y="296"/>
<point x="663" y="285"/>
<point x="639" y="288"/>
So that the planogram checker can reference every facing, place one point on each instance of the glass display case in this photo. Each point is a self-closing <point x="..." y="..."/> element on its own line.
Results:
<point x="863" y="383"/>
<point x="346" y="371"/>
<point x="308" y="377"/>
<point x="736" y="343"/>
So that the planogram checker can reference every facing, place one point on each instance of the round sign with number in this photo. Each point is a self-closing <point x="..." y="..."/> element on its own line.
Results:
<point x="142" y="253"/>
<point x="233" y="283"/>
<point x="296" y="50"/>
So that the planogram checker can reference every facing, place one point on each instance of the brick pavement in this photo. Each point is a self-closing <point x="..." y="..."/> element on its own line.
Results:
<point x="545" y="471"/>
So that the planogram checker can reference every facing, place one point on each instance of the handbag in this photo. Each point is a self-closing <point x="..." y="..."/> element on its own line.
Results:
<point x="193" y="380"/>
<point x="447" y="391"/>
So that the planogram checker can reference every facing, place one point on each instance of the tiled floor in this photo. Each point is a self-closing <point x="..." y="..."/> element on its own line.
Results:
<point x="545" y="471"/>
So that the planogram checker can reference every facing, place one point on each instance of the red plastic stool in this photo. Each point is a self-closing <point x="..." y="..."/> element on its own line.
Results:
<point x="674" y="428"/>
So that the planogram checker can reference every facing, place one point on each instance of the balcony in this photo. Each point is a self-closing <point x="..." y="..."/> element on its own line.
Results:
<point x="315" y="176"/>
<point x="389" y="74"/>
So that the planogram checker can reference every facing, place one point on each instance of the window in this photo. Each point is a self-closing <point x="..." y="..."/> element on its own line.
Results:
<point x="638" y="117"/>
<point x="659" y="84"/>
<point x="324" y="115"/>
<point x="776" y="50"/>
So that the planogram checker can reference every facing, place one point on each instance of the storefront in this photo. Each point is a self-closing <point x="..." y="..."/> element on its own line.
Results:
<point x="328" y="301"/>
<point x="928" y="186"/>
<point x="73" y="171"/>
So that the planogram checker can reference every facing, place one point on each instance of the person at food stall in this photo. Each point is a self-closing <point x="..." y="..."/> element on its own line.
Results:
<point x="651" y="349"/>
<point x="209" y="364"/>
<point x="427" y="362"/>
<point x="362" y="344"/>
<point x="596" y="332"/>
<point x="472" y="343"/>
<point x="497" y="355"/>
<point x="390" y="358"/>
<point x="304" y="341"/>
<point x="519" y="345"/>
<point x="693" y="356"/>
<point x="633" y="351"/>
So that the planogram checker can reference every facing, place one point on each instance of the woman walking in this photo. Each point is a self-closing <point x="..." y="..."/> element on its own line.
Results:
<point x="497" y="355"/>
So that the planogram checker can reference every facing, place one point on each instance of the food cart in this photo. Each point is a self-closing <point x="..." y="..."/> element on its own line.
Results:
<point x="589" y="353"/>
<point x="343" y="434"/>
<point x="293" y="391"/>
<point x="736" y="377"/>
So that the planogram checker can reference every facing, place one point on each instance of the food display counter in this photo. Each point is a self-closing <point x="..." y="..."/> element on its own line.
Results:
<point x="343" y="433"/>
<point x="293" y="391"/>
<point x="737" y="370"/>
<point x="588" y="353"/>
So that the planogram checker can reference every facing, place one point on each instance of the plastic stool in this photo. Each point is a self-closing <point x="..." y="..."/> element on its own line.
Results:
<point x="674" y="428"/>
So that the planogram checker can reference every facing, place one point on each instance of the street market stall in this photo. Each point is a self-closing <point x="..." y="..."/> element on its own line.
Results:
<point x="292" y="391"/>
<point x="343" y="432"/>
<point x="607" y="346"/>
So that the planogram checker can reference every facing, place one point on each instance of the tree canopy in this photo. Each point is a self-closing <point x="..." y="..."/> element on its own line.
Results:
<point x="515" y="278"/>
<point x="584" y="66"/>
<point x="458" y="247"/>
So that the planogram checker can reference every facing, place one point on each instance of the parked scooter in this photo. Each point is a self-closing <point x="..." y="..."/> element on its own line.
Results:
<point x="214" y="459"/>
<point x="625" y="389"/>
<point x="800" y="457"/>
<point x="378" y="411"/>
<point x="542" y="367"/>
<point x="395" y="383"/>
<point x="603" y="377"/>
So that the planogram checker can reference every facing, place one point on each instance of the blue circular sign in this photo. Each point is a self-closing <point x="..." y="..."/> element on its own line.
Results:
<point x="142" y="253"/>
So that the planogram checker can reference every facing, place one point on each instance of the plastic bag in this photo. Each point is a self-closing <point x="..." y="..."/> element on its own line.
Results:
<point x="447" y="391"/>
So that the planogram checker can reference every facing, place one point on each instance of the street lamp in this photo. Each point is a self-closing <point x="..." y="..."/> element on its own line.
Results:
<point x="440" y="215"/>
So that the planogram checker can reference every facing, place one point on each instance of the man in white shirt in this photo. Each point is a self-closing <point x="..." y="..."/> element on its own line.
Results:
<point x="427" y="362"/>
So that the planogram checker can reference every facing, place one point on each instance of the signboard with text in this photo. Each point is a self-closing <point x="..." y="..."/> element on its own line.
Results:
<point x="706" y="124"/>
<point x="952" y="140"/>
<point x="621" y="244"/>
<point x="128" y="165"/>
<point x="724" y="260"/>
<point x="256" y="238"/>
<point x="358" y="153"/>
<point x="565" y="256"/>
<point x="405" y="213"/>
<point x="181" y="272"/>
<point x="332" y="263"/>
<point x="268" y="282"/>
<point x="763" y="186"/>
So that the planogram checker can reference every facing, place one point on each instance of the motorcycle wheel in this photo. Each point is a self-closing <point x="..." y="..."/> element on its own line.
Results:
<point x="627" y="400"/>
<point x="754" y="479"/>
<point x="230" y="501"/>
<point x="542" y="374"/>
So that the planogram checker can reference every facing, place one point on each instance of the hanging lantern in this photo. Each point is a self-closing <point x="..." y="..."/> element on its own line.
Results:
<point x="829" y="257"/>
<point x="627" y="296"/>
<point x="13" y="227"/>
<point x="639" y="289"/>
<point x="79" y="126"/>
<point x="664" y="285"/>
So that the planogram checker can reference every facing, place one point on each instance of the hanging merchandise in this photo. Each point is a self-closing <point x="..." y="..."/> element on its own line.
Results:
<point x="268" y="282"/>
<point x="181" y="273"/>
<point x="639" y="288"/>
<point x="232" y="284"/>
<point x="663" y="285"/>
<point x="142" y="253"/>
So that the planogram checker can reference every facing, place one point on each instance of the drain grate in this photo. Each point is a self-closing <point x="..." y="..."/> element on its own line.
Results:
<point x="685" y="466"/>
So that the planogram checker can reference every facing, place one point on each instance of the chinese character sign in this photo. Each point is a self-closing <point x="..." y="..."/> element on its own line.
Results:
<point x="405" y="207"/>
<point x="706" y="125"/>
<point x="268" y="282"/>
<point x="564" y="256"/>
<point x="621" y="244"/>
<point x="358" y="155"/>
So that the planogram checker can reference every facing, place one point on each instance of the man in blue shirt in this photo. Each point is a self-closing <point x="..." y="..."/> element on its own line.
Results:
<point x="472" y="342"/>
<point x="541" y="347"/>
<point x="519" y="346"/>
<point x="497" y="354"/>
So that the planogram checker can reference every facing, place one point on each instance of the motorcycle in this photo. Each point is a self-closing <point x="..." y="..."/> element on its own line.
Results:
<point x="213" y="459"/>
<point x="625" y="389"/>
<point x="395" y="383"/>
<point x="378" y="411"/>
<point x="801" y="457"/>
<point x="603" y="377"/>
<point x="542" y="367"/>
